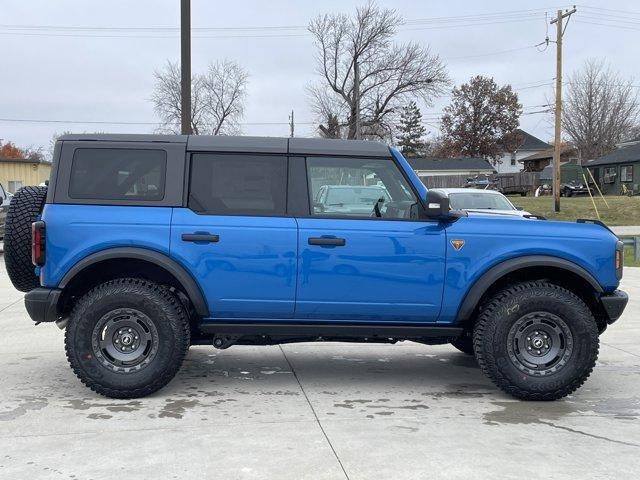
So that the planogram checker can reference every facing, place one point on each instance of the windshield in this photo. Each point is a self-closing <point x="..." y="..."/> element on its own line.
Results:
<point x="355" y="196"/>
<point x="479" y="201"/>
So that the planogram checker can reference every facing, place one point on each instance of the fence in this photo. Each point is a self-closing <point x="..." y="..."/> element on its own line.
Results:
<point x="521" y="181"/>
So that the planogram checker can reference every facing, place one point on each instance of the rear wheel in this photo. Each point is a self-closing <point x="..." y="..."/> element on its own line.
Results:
<point x="127" y="338"/>
<point x="464" y="343"/>
<point x="536" y="341"/>
<point x="24" y="209"/>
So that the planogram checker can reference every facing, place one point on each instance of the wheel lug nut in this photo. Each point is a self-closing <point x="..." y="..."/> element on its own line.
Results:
<point x="117" y="341"/>
<point x="129" y="330"/>
<point x="538" y="352"/>
<point x="528" y="339"/>
<point x="528" y="348"/>
<point x="124" y="348"/>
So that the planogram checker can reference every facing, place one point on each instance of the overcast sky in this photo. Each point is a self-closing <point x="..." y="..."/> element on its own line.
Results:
<point x="106" y="75"/>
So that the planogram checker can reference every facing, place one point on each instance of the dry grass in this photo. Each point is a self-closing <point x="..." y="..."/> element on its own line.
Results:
<point x="621" y="210"/>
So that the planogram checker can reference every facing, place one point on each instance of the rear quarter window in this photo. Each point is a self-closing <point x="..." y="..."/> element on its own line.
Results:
<point x="118" y="174"/>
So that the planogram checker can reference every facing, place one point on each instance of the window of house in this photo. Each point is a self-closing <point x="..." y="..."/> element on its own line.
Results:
<point x="513" y="158"/>
<point x="357" y="187"/>
<point x="14" y="185"/>
<point x="118" y="174"/>
<point x="609" y="175"/>
<point x="626" y="173"/>
<point x="238" y="184"/>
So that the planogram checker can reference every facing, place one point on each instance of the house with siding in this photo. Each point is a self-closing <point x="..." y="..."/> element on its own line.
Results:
<point x="528" y="145"/>
<point x="618" y="171"/>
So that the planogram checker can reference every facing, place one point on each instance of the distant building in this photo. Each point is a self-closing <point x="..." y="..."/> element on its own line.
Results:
<point x="618" y="170"/>
<point x="538" y="161"/>
<point x="528" y="145"/>
<point x="432" y="166"/>
<point x="16" y="173"/>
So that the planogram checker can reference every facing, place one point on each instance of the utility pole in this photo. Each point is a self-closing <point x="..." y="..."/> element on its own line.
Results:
<point x="291" y="124"/>
<point x="356" y="93"/>
<point x="558" y="109"/>
<point x="185" y="66"/>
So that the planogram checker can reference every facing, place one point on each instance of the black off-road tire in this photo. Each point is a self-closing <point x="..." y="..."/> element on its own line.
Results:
<point x="119" y="301"/>
<point x="464" y="343"/>
<point x="516" y="305"/>
<point x="24" y="209"/>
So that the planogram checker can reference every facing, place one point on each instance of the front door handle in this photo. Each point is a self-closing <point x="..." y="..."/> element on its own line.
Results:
<point x="200" y="237"/>
<point x="327" y="241"/>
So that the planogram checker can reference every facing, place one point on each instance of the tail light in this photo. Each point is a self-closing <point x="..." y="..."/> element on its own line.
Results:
<point x="38" y="243"/>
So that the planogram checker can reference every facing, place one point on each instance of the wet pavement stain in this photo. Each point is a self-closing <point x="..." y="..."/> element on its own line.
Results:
<point x="549" y="414"/>
<point x="26" y="404"/>
<point x="130" y="406"/>
<point x="177" y="408"/>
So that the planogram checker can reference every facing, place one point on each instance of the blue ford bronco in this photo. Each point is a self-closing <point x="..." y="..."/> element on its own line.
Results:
<point x="146" y="244"/>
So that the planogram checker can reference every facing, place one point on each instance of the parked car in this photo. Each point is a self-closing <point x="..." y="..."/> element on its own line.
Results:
<point x="147" y="244"/>
<point x="474" y="200"/>
<point x="339" y="199"/>
<point x="570" y="189"/>
<point x="483" y="182"/>
<point x="5" y="199"/>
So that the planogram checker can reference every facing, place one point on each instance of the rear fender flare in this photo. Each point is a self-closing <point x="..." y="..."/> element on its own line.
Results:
<point x="185" y="279"/>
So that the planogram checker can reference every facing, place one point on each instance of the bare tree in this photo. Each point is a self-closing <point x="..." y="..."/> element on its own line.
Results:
<point x="365" y="72"/>
<point x="225" y="90"/>
<point x="600" y="109"/>
<point x="217" y="98"/>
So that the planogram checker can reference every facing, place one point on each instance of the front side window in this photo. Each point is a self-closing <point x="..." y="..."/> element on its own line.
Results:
<point x="351" y="187"/>
<point x="626" y="173"/>
<point x="238" y="184"/>
<point x="609" y="174"/>
<point x="118" y="174"/>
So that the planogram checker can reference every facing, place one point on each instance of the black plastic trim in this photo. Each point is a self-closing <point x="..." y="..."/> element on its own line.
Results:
<point x="292" y="328"/>
<point x="614" y="304"/>
<point x="42" y="304"/>
<point x="186" y="280"/>
<point x="475" y="293"/>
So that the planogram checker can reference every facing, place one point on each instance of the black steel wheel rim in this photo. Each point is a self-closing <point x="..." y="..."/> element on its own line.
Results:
<point x="125" y="340"/>
<point x="540" y="343"/>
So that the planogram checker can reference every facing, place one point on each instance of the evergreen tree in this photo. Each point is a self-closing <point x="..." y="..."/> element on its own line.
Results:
<point x="411" y="131"/>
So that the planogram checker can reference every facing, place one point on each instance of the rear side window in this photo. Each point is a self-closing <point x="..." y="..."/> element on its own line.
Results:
<point x="118" y="174"/>
<point x="238" y="184"/>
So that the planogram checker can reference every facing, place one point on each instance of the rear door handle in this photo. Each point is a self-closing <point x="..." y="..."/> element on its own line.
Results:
<point x="200" y="237"/>
<point x="327" y="241"/>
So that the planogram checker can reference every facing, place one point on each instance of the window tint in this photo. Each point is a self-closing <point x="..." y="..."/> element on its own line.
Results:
<point x="118" y="174"/>
<point x="238" y="184"/>
<point x="358" y="188"/>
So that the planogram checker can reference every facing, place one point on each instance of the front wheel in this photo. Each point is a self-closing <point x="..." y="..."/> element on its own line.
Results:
<point x="127" y="338"/>
<point x="536" y="341"/>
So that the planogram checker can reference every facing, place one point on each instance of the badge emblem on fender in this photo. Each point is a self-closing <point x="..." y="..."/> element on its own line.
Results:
<point x="457" y="244"/>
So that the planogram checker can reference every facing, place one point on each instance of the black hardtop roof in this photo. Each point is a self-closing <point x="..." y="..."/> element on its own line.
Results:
<point x="220" y="143"/>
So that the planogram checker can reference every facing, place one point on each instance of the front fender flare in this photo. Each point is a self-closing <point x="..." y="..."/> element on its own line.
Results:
<point x="163" y="261"/>
<point x="475" y="293"/>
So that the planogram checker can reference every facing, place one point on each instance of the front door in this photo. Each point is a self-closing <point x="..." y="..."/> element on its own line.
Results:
<point x="363" y="256"/>
<point x="235" y="236"/>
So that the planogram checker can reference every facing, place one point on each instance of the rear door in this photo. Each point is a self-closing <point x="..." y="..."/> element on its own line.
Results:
<point x="363" y="254"/>
<point x="235" y="235"/>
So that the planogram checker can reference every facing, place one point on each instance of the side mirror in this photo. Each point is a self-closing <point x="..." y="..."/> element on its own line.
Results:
<point x="437" y="205"/>
<point x="520" y="208"/>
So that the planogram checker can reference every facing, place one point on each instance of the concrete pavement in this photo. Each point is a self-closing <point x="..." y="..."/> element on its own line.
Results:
<point x="314" y="411"/>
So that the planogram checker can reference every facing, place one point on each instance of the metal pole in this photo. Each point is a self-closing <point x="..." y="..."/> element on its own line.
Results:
<point x="185" y="66"/>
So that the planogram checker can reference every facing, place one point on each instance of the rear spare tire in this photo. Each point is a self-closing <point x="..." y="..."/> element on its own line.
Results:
<point x="24" y="209"/>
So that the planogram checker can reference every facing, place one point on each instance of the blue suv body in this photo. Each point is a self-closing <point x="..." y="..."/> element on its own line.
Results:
<point x="227" y="236"/>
